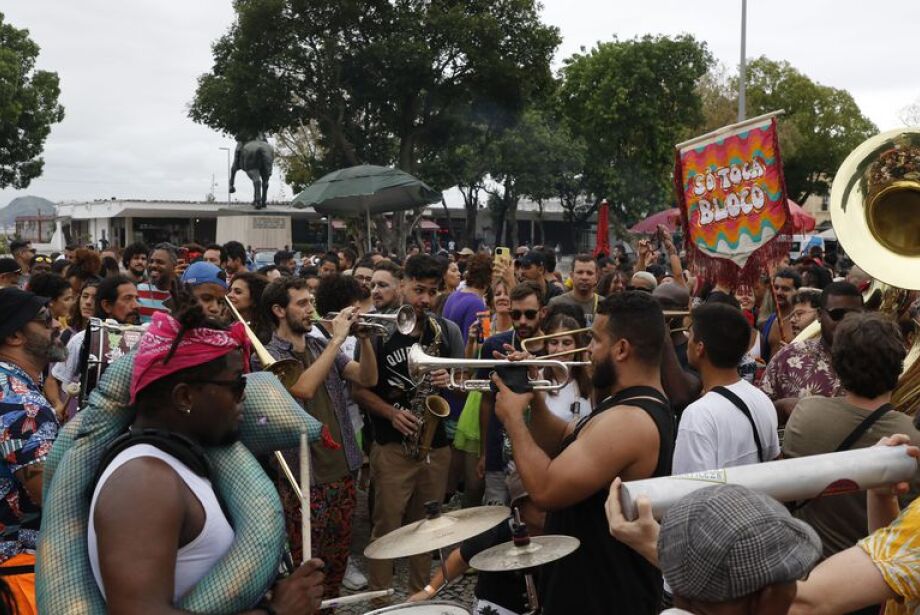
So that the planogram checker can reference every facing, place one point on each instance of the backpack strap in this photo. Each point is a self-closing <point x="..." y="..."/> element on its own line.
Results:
<point x="739" y="403"/>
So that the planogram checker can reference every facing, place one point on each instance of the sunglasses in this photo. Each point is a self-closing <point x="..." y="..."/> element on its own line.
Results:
<point x="44" y="317"/>
<point x="528" y="314"/>
<point x="237" y="386"/>
<point x="837" y="314"/>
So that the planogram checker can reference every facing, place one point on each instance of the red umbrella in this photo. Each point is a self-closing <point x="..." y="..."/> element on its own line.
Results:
<point x="669" y="217"/>
<point x="802" y="221"/>
<point x="602" y="243"/>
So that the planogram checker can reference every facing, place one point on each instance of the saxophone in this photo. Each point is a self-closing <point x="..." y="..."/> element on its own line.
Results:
<point x="427" y="407"/>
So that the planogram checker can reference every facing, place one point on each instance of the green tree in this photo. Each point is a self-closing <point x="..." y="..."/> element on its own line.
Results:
<point x="630" y="102"/>
<point x="28" y="108"/>
<point x="385" y="81"/>
<point x="820" y="127"/>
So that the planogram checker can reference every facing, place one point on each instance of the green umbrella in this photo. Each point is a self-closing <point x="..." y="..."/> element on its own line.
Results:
<point x="367" y="190"/>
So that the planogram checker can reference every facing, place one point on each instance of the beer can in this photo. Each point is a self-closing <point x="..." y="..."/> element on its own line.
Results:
<point x="786" y="480"/>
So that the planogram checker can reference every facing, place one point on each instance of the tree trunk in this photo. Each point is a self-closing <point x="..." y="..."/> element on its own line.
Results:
<point x="511" y="217"/>
<point x="471" y="205"/>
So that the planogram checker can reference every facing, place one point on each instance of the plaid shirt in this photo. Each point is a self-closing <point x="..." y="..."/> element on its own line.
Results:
<point x="28" y="428"/>
<point x="335" y="386"/>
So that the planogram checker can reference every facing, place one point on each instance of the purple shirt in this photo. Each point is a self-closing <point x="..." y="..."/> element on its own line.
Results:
<point x="461" y="308"/>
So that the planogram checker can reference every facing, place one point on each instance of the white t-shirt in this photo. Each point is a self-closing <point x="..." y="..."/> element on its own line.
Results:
<point x="563" y="403"/>
<point x="714" y="433"/>
<point x="69" y="370"/>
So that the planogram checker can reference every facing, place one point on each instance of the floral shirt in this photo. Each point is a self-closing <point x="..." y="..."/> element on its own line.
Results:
<point x="895" y="551"/>
<point x="801" y="369"/>
<point x="28" y="428"/>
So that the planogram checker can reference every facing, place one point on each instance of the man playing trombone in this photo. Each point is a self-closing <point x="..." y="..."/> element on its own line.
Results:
<point x="335" y="460"/>
<point x="567" y="468"/>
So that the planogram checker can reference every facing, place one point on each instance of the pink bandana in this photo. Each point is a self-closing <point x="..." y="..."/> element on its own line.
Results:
<point x="197" y="346"/>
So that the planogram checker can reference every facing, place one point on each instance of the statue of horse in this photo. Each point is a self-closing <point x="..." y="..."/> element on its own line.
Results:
<point x="255" y="157"/>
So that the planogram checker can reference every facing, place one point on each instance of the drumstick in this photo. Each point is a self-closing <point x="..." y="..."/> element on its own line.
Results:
<point x="354" y="598"/>
<point x="286" y="470"/>
<point x="305" y="497"/>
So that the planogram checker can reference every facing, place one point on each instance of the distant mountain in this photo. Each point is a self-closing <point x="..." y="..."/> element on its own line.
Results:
<point x="24" y="206"/>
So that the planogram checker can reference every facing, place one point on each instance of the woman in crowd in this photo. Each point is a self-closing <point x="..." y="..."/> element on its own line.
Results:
<point x="462" y="306"/>
<point x="81" y="309"/>
<point x="245" y="293"/>
<point x="86" y="264"/>
<point x="61" y="299"/>
<point x="574" y="399"/>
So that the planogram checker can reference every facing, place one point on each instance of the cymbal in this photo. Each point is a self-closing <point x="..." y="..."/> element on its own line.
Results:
<point x="507" y="556"/>
<point x="429" y="534"/>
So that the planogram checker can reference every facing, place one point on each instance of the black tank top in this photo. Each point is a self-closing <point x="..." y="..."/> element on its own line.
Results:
<point x="604" y="576"/>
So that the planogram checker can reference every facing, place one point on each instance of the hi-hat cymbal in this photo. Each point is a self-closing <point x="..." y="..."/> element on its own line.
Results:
<point x="507" y="556"/>
<point x="429" y="534"/>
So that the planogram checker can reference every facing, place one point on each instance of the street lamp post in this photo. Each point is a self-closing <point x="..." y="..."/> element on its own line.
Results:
<point x="742" y="70"/>
<point x="227" y="149"/>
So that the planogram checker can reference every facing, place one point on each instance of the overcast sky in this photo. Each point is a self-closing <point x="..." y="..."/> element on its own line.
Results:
<point x="128" y="71"/>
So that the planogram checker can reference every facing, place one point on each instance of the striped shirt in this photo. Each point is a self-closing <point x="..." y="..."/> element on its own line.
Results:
<point x="151" y="299"/>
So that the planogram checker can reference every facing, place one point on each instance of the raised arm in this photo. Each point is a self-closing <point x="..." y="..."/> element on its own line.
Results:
<point x="314" y="376"/>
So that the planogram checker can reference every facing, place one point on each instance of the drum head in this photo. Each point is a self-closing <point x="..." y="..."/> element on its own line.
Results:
<point x="431" y="607"/>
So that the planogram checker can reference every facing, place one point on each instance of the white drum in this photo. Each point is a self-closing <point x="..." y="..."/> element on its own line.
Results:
<point x="430" y="607"/>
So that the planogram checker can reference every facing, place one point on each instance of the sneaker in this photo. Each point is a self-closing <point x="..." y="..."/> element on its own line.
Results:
<point x="354" y="580"/>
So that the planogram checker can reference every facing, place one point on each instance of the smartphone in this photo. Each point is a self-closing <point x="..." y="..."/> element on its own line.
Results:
<point x="502" y="255"/>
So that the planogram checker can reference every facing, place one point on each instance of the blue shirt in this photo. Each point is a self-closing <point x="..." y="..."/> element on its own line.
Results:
<point x="28" y="428"/>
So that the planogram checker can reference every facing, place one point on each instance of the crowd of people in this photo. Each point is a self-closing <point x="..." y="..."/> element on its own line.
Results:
<point x="670" y="375"/>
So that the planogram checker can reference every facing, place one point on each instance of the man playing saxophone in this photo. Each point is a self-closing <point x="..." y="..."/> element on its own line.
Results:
<point x="404" y="480"/>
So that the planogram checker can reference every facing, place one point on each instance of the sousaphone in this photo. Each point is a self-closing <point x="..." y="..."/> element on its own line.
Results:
<point x="875" y="210"/>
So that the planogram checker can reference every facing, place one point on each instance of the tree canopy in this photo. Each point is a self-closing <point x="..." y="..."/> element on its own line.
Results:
<point x="28" y="107"/>
<point x="631" y="102"/>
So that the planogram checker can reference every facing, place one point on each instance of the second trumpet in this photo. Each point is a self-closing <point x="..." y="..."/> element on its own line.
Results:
<point x="376" y="324"/>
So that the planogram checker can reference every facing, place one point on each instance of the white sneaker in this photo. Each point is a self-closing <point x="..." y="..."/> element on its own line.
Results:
<point x="354" y="580"/>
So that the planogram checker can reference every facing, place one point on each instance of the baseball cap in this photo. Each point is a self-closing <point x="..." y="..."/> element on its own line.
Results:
<point x="9" y="265"/>
<point x="18" y="244"/>
<point x="533" y="257"/>
<point x="204" y="272"/>
<point x="725" y="542"/>
<point x="466" y="252"/>
<point x="17" y="307"/>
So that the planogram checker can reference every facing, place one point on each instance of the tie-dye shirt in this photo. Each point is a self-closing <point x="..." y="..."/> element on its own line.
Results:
<point x="895" y="551"/>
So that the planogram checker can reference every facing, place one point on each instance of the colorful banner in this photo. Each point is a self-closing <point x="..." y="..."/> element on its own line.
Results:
<point x="733" y="200"/>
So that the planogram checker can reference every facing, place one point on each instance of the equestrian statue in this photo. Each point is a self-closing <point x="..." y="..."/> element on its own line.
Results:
<point x="255" y="157"/>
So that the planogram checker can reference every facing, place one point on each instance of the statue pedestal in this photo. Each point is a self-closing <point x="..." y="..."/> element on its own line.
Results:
<point x="262" y="231"/>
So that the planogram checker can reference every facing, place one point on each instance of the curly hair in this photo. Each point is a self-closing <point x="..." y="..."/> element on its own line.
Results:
<point x="868" y="353"/>
<point x="479" y="271"/>
<point x="336" y="292"/>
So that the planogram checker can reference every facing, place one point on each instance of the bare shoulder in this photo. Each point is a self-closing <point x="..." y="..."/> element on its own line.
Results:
<point x="623" y="423"/>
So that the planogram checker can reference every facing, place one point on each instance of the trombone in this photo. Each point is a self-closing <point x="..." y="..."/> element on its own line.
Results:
<point x="403" y="319"/>
<point x="287" y="370"/>
<point x="421" y="363"/>
<point x="540" y="338"/>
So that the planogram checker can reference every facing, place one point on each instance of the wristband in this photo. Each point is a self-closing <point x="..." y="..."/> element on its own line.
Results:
<point x="428" y="589"/>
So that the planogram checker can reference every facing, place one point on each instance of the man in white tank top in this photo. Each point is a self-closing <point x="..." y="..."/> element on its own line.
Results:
<point x="156" y="525"/>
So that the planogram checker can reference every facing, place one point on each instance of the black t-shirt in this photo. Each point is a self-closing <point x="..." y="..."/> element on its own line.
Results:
<point x="604" y="576"/>
<point x="394" y="385"/>
<point x="506" y="589"/>
<point x="496" y="431"/>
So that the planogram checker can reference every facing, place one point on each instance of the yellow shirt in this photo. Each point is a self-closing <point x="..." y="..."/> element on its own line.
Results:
<point x="895" y="551"/>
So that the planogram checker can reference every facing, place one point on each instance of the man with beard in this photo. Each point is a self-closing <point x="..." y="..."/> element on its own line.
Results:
<point x="567" y="468"/>
<point x="527" y="311"/>
<point x="156" y="525"/>
<point x="584" y="283"/>
<point x="116" y="299"/>
<point x="288" y="303"/>
<point x="158" y="293"/>
<point x="385" y="287"/>
<point x="785" y="284"/>
<point x="28" y="427"/>
<point x="134" y="260"/>
<point x="403" y="482"/>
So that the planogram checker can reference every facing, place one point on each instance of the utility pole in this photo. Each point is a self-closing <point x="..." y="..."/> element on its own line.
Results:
<point x="742" y="70"/>
<point x="227" y="149"/>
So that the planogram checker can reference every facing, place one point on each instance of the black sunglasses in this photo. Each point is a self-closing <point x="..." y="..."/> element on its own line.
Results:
<point x="237" y="386"/>
<point x="529" y="314"/>
<point x="44" y="316"/>
<point x="837" y="314"/>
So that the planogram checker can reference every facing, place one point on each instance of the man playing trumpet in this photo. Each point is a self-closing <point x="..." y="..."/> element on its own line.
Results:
<point x="288" y="303"/>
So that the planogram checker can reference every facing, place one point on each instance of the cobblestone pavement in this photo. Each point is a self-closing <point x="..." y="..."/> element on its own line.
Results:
<point x="459" y="592"/>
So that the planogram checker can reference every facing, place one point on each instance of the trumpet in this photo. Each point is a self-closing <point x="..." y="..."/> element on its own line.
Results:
<point x="404" y="320"/>
<point x="421" y="363"/>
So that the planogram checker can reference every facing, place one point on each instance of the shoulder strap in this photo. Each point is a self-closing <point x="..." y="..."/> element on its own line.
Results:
<point x="739" y="403"/>
<point x="863" y="427"/>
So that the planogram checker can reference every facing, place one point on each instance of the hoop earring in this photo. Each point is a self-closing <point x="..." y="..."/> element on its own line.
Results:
<point x="185" y="409"/>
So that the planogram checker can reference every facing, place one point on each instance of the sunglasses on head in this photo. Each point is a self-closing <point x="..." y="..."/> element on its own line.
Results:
<point x="44" y="316"/>
<point x="837" y="314"/>
<point x="528" y="314"/>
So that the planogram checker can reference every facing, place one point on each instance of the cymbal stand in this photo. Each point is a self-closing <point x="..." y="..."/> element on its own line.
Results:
<point x="521" y="538"/>
<point x="433" y="511"/>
